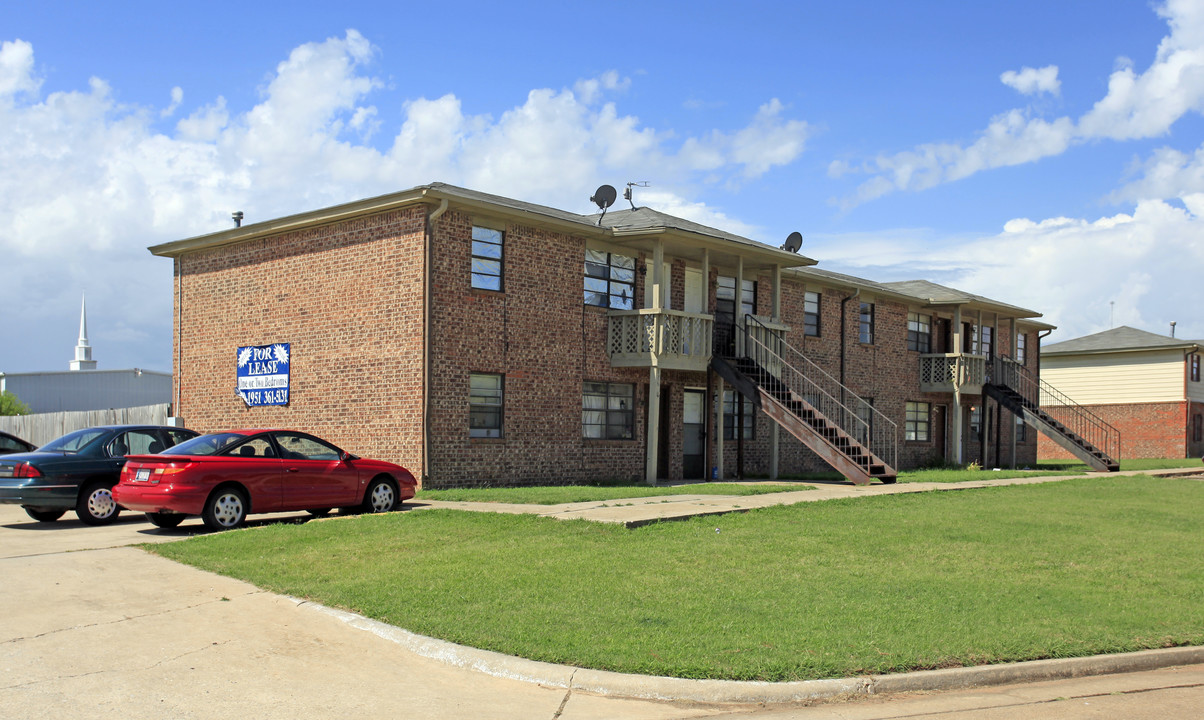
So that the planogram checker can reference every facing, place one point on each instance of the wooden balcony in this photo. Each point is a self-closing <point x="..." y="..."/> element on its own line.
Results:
<point x="949" y="371"/>
<point x="670" y="339"/>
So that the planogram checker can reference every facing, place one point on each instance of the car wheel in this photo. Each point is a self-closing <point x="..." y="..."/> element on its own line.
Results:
<point x="165" y="520"/>
<point x="320" y="512"/>
<point x="44" y="515"/>
<point x="225" y="509"/>
<point x="381" y="496"/>
<point x="96" y="505"/>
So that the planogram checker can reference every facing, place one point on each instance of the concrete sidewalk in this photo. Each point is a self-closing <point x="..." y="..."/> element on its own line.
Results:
<point x="634" y="512"/>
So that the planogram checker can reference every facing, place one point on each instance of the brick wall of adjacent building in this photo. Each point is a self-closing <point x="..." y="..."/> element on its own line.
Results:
<point x="347" y="296"/>
<point x="1147" y="430"/>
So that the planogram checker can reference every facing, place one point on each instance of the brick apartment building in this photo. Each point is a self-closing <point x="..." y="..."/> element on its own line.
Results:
<point x="479" y="339"/>
<point x="1146" y="385"/>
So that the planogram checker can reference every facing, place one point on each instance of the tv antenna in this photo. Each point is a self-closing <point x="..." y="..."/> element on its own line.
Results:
<point x="604" y="197"/>
<point x="794" y="241"/>
<point x="627" y="192"/>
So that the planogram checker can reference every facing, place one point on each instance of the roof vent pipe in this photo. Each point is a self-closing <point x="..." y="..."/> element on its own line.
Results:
<point x="237" y="215"/>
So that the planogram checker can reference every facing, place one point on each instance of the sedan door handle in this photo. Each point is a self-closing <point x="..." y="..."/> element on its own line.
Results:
<point x="293" y="469"/>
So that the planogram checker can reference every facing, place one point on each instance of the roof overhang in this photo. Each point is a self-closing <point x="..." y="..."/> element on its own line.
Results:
<point x="677" y="242"/>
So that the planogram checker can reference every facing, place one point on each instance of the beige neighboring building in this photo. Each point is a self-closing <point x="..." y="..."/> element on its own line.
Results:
<point x="1146" y="385"/>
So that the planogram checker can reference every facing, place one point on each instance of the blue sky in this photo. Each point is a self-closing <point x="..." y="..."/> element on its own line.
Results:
<point x="1047" y="154"/>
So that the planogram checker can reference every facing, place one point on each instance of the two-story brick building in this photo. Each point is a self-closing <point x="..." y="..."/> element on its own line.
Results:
<point x="1146" y="385"/>
<point x="479" y="339"/>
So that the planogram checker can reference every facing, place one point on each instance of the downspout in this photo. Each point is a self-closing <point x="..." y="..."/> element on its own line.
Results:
<point x="427" y="233"/>
<point x="175" y="411"/>
<point x="843" y="324"/>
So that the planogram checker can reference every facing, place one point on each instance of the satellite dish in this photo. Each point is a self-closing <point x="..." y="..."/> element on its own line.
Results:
<point x="794" y="241"/>
<point x="604" y="197"/>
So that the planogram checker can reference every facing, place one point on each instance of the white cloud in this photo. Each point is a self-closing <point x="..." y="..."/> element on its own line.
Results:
<point x="1033" y="81"/>
<point x="90" y="183"/>
<point x="1137" y="105"/>
<point x="16" y="69"/>
<point x="1068" y="269"/>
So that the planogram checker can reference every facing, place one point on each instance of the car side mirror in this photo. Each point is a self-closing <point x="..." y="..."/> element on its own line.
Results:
<point x="347" y="457"/>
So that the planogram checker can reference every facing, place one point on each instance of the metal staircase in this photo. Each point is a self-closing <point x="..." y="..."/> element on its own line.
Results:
<point x="1050" y="412"/>
<point x="846" y="431"/>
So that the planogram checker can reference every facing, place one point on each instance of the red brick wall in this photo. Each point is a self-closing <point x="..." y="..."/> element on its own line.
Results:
<point x="347" y="296"/>
<point x="541" y="336"/>
<point x="1147" y="430"/>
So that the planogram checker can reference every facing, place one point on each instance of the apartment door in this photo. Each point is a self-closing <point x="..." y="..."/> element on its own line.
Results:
<point x="939" y="436"/>
<point x="941" y="335"/>
<point x="693" y="440"/>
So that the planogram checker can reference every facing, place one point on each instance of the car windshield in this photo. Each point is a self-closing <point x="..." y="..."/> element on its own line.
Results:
<point x="74" y="442"/>
<point x="204" y="444"/>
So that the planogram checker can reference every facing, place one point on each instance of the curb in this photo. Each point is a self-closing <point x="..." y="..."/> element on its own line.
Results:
<point x="647" y="687"/>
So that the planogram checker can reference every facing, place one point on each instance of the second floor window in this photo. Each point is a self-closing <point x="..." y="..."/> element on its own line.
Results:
<point x="919" y="332"/>
<point x="1195" y="367"/>
<point x="609" y="280"/>
<point x="485" y="406"/>
<point x="811" y="314"/>
<point x="866" y="332"/>
<point x="725" y="299"/>
<point x="487" y="258"/>
<point x="985" y="345"/>
<point x="1021" y="354"/>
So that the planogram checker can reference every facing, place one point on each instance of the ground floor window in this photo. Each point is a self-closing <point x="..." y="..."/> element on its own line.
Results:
<point x="732" y="411"/>
<point x="1021" y="429"/>
<point x="608" y="410"/>
<point x="485" y="405"/>
<point x="918" y="424"/>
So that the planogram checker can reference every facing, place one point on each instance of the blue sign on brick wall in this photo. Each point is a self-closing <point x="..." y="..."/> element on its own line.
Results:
<point x="263" y="374"/>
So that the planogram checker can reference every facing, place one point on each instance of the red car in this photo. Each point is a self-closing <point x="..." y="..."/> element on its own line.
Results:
<point x="226" y="476"/>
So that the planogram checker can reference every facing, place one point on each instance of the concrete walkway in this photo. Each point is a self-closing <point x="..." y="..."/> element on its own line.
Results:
<point x="634" y="512"/>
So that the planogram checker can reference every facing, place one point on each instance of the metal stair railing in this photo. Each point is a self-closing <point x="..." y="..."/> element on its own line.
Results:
<point x="808" y="381"/>
<point x="1040" y="396"/>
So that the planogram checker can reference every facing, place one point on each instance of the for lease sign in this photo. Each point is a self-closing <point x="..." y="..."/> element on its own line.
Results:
<point x="263" y="374"/>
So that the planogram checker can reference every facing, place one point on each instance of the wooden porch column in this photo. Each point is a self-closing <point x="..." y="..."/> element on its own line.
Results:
<point x="955" y="416"/>
<point x="659" y="286"/>
<point x="654" y="424"/>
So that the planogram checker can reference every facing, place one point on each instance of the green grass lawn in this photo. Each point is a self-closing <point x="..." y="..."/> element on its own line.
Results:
<point x="554" y="495"/>
<point x="814" y="590"/>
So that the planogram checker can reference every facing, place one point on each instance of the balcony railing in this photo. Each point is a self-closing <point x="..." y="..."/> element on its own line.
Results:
<point x="671" y="339"/>
<point x="945" y="372"/>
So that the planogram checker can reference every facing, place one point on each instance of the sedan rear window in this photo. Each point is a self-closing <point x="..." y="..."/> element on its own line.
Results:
<point x="74" y="442"/>
<point x="204" y="444"/>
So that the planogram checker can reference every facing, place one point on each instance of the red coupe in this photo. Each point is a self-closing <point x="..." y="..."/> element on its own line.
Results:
<point x="226" y="476"/>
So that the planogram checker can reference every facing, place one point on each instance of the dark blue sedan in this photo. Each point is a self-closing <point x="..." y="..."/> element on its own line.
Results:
<point x="78" y="471"/>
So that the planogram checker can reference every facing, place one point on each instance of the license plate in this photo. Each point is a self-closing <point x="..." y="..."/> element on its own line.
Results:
<point x="142" y="475"/>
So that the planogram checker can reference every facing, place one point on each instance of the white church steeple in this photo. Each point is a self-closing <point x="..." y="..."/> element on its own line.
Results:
<point x="83" y="351"/>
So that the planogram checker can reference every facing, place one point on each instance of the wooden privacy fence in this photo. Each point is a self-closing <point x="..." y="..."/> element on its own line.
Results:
<point x="42" y="428"/>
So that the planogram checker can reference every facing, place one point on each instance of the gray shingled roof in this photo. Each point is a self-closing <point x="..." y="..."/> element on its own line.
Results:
<point x="648" y="219"/>
<point x="1117" y="340"/>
